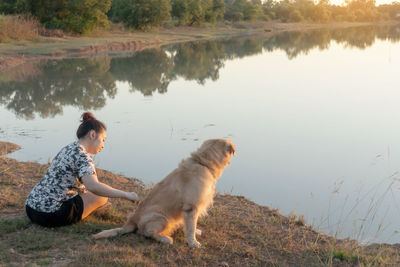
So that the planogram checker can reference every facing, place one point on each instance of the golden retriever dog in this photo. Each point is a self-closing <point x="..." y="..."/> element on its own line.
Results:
<point x="181" y="197"/>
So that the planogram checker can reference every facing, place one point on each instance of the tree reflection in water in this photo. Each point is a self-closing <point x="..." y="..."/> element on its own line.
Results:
<point x="46" y="86"/>
<point x="146" y="71"/>
<point x="82" y="83"/>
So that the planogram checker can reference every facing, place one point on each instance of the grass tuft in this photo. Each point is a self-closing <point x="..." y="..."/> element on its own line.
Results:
<point x="18" y="27"/>
<point x="13" y="225"/>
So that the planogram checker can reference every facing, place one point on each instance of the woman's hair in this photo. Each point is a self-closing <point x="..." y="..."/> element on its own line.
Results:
<point x="88" y="123"/>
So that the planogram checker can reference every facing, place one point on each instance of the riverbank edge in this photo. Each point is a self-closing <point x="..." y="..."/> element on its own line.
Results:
<point x="13" y="54"/>
<point x="260" y="235"/>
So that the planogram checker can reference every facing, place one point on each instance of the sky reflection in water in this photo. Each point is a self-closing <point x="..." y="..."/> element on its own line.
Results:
<point x="314" y="117"/>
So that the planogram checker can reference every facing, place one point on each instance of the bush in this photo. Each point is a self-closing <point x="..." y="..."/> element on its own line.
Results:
<point x="14" y="6"/>
<point x="247" y="9"/>
<point x="144" y="14"/>
<point x="16" y="27"/>
<point x="189" y="12"/>
<point x="295" y="16"/>
<point x="120" y="10"/>
<point x="79" y="16"/>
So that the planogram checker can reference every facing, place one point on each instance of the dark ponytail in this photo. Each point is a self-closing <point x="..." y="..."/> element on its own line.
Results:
<point x="88" y="123"/>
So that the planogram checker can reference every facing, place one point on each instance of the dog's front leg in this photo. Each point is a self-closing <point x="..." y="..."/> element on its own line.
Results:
<point x="190" y="220"/>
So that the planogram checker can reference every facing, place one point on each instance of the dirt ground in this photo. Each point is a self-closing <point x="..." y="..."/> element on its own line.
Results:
<point x="237" y="232"/>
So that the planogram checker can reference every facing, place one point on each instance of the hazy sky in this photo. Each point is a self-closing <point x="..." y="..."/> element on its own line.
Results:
<point x="378" y="2"/>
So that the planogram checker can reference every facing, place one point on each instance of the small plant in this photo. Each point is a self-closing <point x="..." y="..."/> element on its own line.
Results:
<point x="345" y="256"/>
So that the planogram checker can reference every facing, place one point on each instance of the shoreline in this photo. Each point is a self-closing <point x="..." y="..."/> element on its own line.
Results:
<point x="14" y="54"/>
<point x="238" y="232"/>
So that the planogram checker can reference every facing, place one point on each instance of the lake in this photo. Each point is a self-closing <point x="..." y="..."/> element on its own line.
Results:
<point x="315" y="117"/>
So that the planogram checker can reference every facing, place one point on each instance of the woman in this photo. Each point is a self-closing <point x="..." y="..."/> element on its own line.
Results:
<point x="70" y="190"/>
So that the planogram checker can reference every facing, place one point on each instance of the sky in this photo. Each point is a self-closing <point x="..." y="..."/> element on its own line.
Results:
<point x="378" y="2"/>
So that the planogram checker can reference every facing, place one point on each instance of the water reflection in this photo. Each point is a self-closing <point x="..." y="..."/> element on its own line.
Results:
<point x="44" y="87"/>
<point x="298" y="43"/>
<point x="198" y="61"/>
<point x="147" y="71"/>
<point x="47" y="87"/>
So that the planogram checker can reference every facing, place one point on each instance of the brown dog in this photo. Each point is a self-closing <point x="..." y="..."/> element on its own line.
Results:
<point x="181" y="197"/>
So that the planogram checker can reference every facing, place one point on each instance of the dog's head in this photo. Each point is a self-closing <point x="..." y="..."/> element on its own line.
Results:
<point x="218" y="151"/>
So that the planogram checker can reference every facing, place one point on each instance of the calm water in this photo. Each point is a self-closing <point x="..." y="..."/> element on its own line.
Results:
<point x="315" y="117"/>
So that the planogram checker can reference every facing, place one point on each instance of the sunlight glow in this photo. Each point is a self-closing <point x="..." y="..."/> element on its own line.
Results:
<point x="378" y="2"/>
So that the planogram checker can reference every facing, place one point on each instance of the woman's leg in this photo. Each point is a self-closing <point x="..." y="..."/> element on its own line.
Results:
<point x="91" y="202"/>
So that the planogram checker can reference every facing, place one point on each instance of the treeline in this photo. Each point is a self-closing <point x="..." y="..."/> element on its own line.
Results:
<point x="82" y="16"/>
<point x="87" y="83"/>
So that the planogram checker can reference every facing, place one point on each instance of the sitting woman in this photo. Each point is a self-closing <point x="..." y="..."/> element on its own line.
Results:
<point x="70" y="190"/>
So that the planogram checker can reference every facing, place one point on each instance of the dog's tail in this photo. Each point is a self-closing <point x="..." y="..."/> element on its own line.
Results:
<point x="127" y="228"/>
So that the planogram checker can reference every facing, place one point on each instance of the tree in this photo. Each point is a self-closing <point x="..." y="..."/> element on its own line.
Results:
<point x="320" y="13"/>
<point x="14" y="6"/>
<point x="80" y="16"/>
<point x="191" y="12"/>
<point x="180" y="10"/>
<point x="243" y="9"/>
<point x="148" y="13"/>
<point x="215" y="11"/>
<point x="295" y="16"/>
<point x="119" y="10"/>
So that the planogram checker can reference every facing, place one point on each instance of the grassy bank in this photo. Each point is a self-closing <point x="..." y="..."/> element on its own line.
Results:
<point x="14" y="52"/>
<point x="237" y="232"/>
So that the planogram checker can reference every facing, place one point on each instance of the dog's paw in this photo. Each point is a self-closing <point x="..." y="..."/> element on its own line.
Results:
<point x="96" y="236"/>
<point x="198" y="232"/>
<point x="194" y="243"/>
<point x="165" y="239"/>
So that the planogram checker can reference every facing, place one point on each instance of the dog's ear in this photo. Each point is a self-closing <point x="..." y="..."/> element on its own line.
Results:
<point x="231" y="149"/>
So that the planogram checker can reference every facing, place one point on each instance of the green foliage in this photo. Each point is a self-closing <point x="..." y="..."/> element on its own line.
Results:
<point x="80" y="16"/>
<point x="354" y="10"/>
<point x="242" y="9"/>
<point x="190" y="12"/>
<point x="390" y="11"/>
<point x="142" y="14"/>
<point x="180" y="10"/>
<point x="14" y="6"/>
<point x="320" y="13"/>
<point x="216" y="12"/>
<point x="346" y="256"/>
<point x="295" y="16"/>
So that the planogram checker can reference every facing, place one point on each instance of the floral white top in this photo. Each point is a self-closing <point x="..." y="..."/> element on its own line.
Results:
<point x="60" y="183"/>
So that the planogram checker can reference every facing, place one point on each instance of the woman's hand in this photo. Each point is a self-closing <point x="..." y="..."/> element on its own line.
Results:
<point x="131" y="196"/>
<point x="93" y="185"/>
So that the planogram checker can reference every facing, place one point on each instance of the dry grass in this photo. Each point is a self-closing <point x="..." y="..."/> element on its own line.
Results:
<point x="237" y="232"/>
<point x="17" y="27"/>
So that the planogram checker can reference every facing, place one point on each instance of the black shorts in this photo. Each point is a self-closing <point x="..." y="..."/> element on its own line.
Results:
<point x="70" y="212"/>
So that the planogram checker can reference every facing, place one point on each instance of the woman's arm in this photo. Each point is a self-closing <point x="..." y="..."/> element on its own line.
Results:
<point x="93" y="185"/>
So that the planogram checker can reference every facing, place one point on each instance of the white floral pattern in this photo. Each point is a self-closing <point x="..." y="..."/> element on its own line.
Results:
<point x="62" y="180"/>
